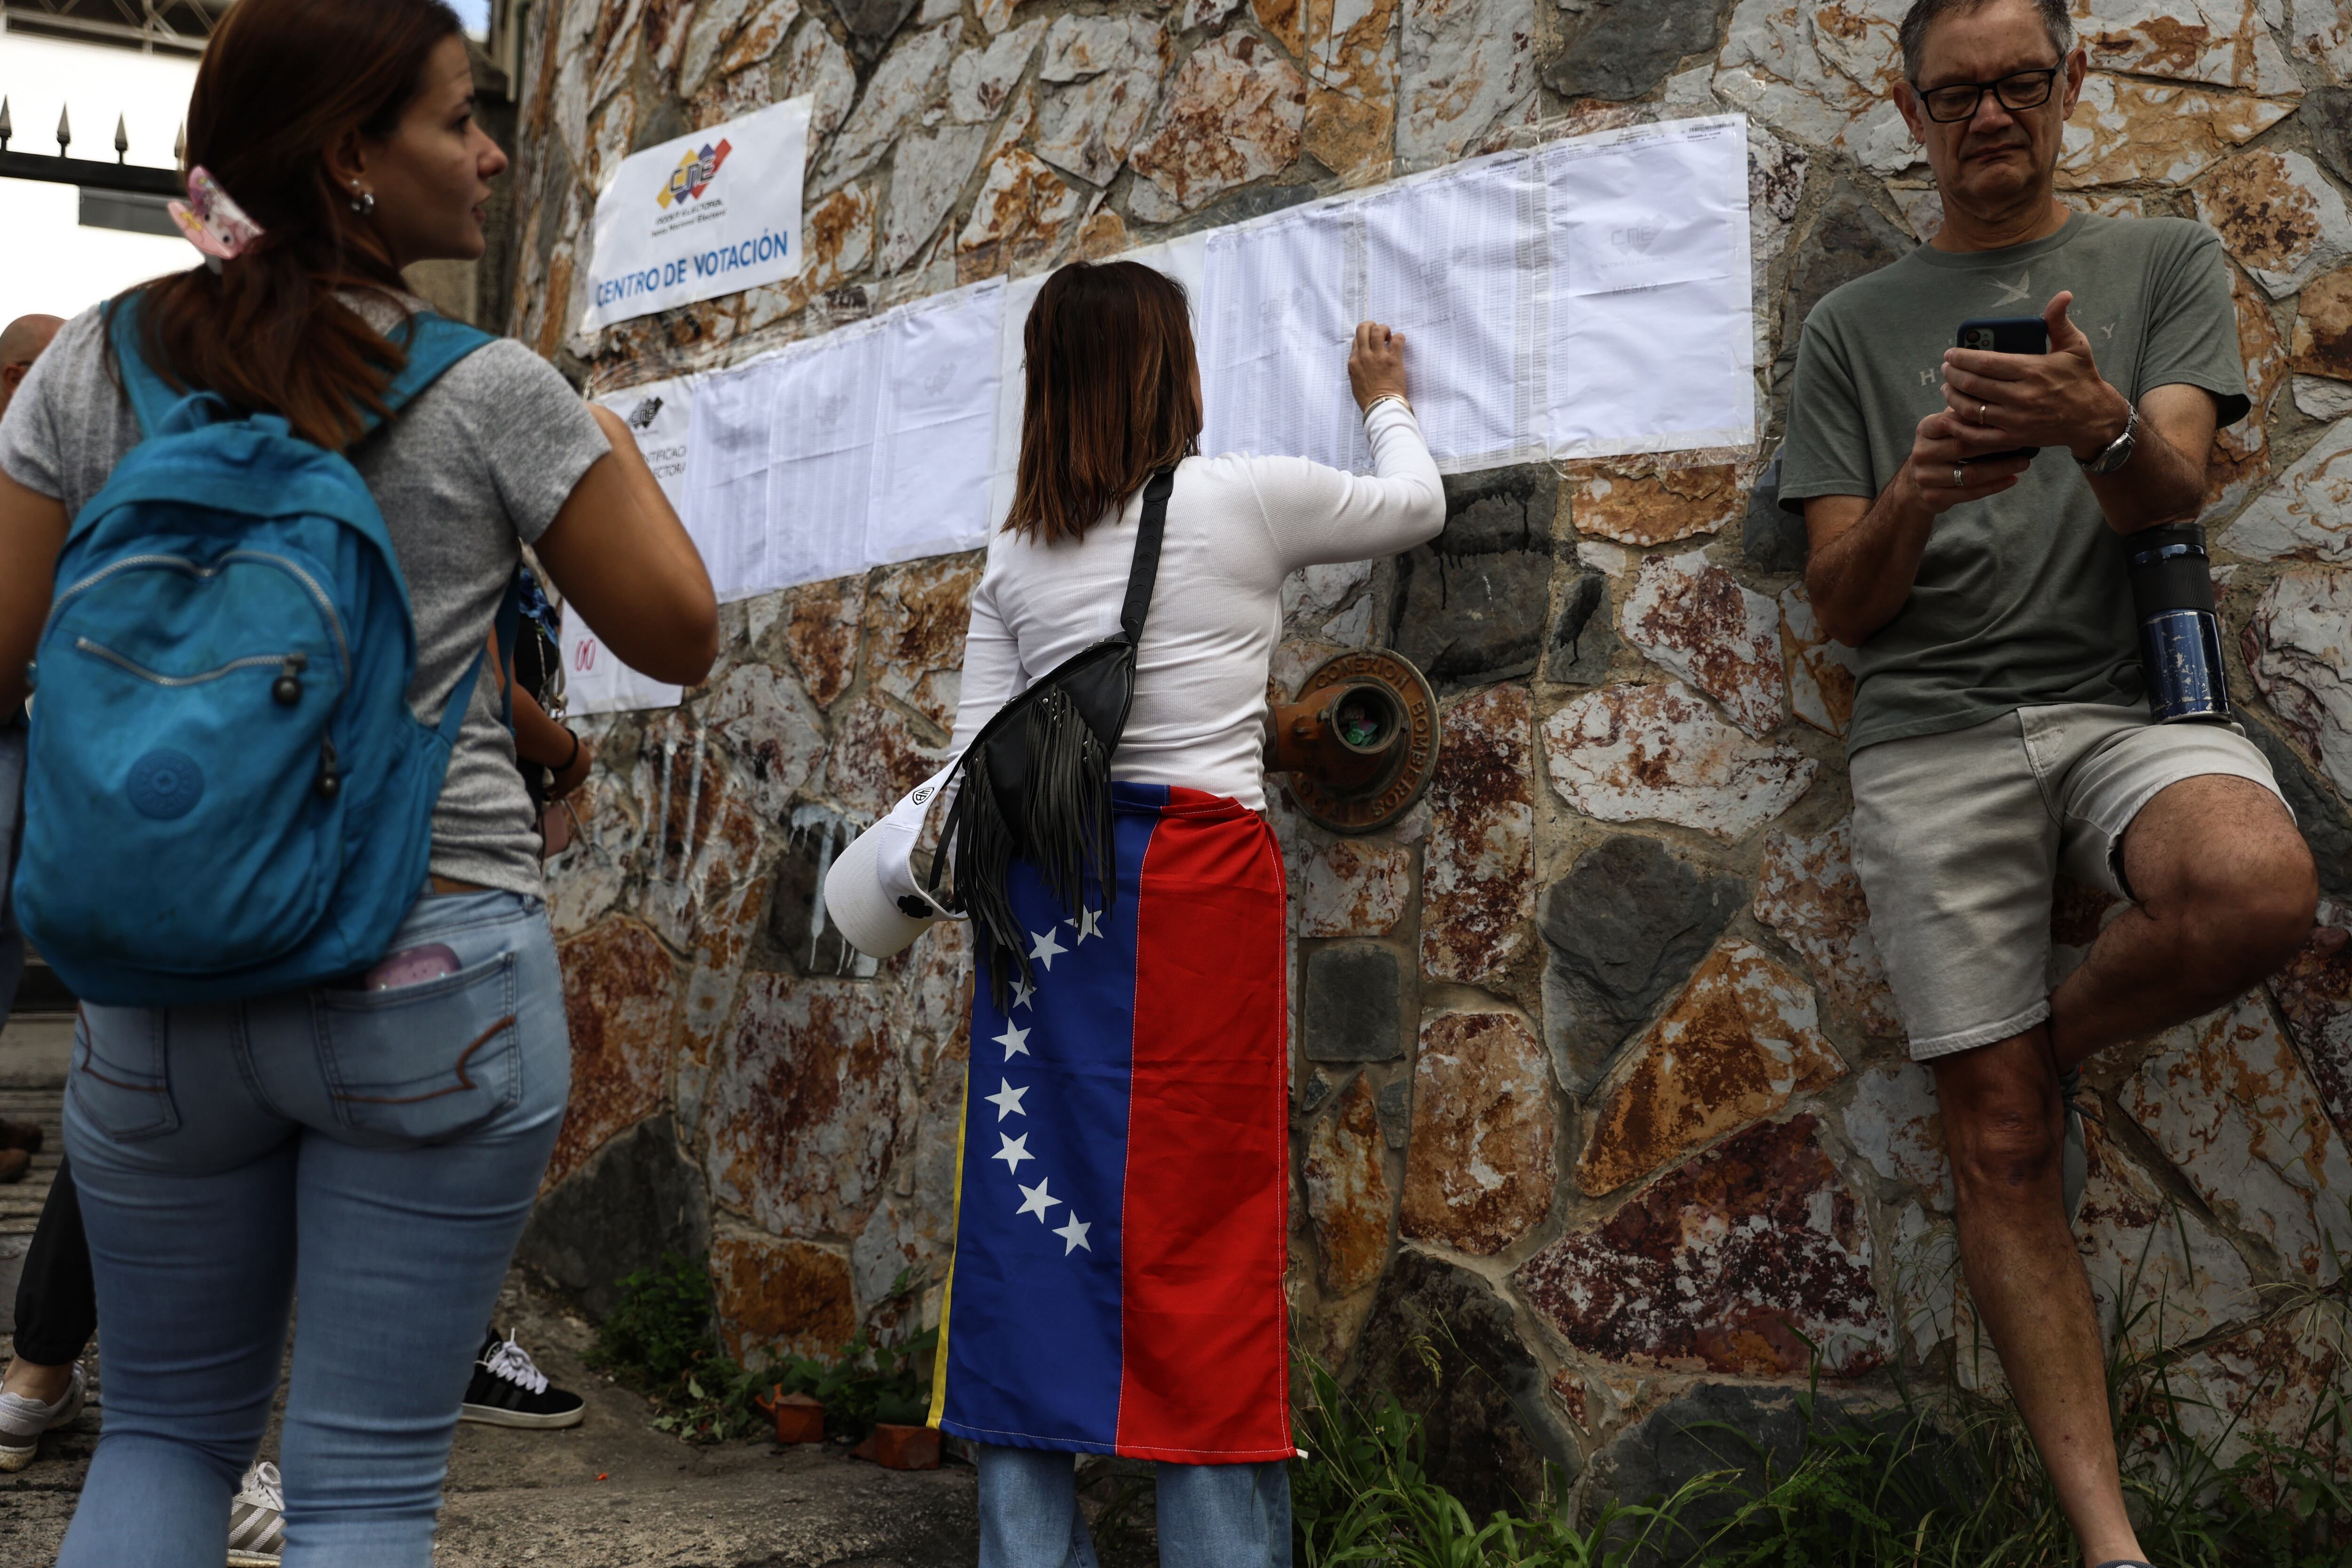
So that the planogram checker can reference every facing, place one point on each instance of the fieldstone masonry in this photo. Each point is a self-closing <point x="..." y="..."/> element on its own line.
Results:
<point x="1599" y="1088"/>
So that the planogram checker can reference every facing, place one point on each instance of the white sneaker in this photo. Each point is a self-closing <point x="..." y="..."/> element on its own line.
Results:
<point x="257" y="1520"/>
<point x="23" y="1420"/>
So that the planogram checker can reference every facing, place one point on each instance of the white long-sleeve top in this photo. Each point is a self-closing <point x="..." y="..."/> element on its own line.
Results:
<point x="1236" y="527"/>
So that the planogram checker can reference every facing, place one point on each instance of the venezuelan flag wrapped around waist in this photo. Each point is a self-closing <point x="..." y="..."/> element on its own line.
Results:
<point x="1117" y="1284"/>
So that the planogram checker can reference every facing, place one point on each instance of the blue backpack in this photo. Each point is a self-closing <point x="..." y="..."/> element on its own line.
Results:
<point x="227" y="794"/>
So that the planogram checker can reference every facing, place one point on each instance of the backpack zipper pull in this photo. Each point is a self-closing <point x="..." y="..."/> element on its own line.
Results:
<point x="329" y="785"/>
<point x="288" y="688"/>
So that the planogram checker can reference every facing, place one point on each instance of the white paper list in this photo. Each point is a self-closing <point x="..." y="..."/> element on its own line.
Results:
<point x="821" y="455"/>
<point x="660" y="414"/>
<point x="727" y="511"/>
<point x="1652" y="337"/>
<point x="1452" y="262"/>
<point x="1283" y="298"/>
<point x="935" y="439"/>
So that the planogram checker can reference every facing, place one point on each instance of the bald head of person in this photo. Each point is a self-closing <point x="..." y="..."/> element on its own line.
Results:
<point x="21" y="342"/>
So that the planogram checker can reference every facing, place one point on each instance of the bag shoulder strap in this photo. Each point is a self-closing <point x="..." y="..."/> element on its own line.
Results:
<point x="1145" y="573"/>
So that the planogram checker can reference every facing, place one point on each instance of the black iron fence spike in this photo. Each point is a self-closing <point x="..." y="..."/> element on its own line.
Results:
<point x="121" y="139"/>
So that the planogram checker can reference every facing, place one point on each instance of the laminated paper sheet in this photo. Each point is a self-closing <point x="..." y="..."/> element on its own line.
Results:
<point x="1454" y="262"/>
<point x="821" y="412"/>
<point x="727" y="477"/>
<point x="1652" y="342"/>
<point x="1283" y="299"/>
<point x="935" y="441"/>
<point x="660" y="414"/>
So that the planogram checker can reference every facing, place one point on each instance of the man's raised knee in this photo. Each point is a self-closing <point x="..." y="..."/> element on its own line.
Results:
<point x="2246" y="917"/>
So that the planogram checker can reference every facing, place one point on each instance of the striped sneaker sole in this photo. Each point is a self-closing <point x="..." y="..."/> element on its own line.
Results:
<point x="492" y="1416"/>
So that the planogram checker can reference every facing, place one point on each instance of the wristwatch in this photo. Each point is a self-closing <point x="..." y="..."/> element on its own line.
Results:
<point x="2118" y="451"/>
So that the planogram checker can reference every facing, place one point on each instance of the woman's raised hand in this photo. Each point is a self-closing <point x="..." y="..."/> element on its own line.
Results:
<point x="1376" y="364"/>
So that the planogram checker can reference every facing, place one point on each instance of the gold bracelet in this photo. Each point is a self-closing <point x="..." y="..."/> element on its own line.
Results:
<point x="1398" y="397"/>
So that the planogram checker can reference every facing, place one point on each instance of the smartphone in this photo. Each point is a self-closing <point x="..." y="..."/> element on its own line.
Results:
<point x="2006" y="335"/>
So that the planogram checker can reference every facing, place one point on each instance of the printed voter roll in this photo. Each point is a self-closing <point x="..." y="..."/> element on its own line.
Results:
<point x="1283" y="298"/>
<point x="699" y="215"/>
<point x="935" y="433"/>
<point x="1652" y="328"/>
<point x="1451" y="260"/>
<point x="660" y="414"/>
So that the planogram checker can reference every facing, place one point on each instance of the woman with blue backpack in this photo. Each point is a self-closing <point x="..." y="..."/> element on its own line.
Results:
<point x="259" y="522"/>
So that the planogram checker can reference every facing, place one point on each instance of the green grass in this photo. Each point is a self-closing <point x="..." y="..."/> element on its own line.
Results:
<point x="1946" y="1480"/>
<point x="663" y="1341"/>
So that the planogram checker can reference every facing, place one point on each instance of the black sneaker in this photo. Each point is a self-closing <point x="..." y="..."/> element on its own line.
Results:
<point x="508" y="1390"/>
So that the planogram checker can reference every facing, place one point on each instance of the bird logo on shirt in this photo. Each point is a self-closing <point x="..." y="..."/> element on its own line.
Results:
<point x="2014" y="293"/>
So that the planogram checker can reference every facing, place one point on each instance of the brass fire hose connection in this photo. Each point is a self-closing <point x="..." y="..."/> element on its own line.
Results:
<point x="1360" y="744"/>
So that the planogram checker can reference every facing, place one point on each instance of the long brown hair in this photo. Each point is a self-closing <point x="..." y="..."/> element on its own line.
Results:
<point x="1111" y="393"/>
<point x="282" y="81"/>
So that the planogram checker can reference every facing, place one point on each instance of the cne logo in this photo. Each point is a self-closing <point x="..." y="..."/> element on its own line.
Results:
<point x="693" y="174"/>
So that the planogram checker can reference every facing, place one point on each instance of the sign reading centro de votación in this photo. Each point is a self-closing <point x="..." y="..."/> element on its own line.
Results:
<point x="700" y="217"/>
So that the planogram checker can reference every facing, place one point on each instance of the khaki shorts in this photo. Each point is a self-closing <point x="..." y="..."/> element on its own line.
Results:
<point x="1958" y="837"/>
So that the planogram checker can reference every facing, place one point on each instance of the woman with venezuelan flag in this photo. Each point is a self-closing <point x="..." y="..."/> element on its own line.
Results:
<point x="1123" y="1180"/>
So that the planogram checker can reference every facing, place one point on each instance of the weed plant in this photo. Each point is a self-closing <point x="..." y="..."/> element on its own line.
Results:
<point x="663" y="1341"/>
<point x="1943" y="1480"/>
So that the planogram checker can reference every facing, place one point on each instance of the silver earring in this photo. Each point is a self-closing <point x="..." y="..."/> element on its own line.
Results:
<point x="363" y="201"/>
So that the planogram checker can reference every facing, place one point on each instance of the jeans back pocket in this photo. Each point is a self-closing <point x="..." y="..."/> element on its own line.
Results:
<point x="423" y="1063"/>
<point x="121" y="1081"/>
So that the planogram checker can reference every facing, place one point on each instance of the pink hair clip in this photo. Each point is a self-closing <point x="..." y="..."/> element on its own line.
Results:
<point x="212" y="222"/>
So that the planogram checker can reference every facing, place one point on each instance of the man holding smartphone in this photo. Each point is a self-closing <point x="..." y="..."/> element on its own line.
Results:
<point x="2000" y="733"/>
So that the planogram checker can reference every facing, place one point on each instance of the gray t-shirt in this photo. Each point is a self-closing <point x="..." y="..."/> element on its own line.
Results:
<point x="484" y="457"/>
<point x="2020" y="598"/>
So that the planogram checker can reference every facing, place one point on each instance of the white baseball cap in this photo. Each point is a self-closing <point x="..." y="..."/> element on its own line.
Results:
<point x="871" y="891"/>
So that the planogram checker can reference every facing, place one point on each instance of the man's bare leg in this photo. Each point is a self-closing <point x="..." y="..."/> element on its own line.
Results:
<point x="2004" y="1127"/>
<point x="2225" y="892"/>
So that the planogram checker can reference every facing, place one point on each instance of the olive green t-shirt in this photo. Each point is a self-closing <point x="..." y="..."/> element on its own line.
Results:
<point x="2020" y="597"/>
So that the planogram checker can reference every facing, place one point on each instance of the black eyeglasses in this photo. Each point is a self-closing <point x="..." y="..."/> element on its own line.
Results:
<point x="2019" y="89"/>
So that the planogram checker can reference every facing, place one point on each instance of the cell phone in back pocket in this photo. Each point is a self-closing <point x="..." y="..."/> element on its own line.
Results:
<point x="2006" y="335"/>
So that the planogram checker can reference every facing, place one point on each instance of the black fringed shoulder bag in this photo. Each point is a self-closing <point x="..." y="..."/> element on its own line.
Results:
<point x="1036" y="779"/>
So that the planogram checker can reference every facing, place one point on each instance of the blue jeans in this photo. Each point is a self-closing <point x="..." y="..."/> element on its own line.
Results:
<point x="1211" y="1516"/>
<point x="373" y="1153"/>
<point x="12" y="818"/>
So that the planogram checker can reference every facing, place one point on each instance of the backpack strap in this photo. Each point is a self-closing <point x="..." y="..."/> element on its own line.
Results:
<point x="1145" y="573"/>
<point x="431" y="342"/>
<point x="150" y="396"/>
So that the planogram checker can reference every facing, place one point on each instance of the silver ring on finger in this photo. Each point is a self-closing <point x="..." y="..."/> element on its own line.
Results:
<point x="1984" y="411"/>
<point x="1960" y="477"/>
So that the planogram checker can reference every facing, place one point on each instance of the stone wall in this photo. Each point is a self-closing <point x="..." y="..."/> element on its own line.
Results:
<point x="1599" y="1086"/>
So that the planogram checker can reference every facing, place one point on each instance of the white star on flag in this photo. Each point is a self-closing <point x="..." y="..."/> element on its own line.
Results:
<point x="1007" y="1099"/>
<point x="1015" y="1041"/>
<point x="1042" y="947"/>
<point x="1021" y="992"/>
<point x="1073" y="1235"/>
<point x="1089" y="924"/>
<point x="1015" y="1150"/>
<point x="1039" y="1201"/>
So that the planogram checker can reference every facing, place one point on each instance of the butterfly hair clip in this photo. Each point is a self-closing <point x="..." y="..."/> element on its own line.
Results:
<point x="213" y="221"/>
